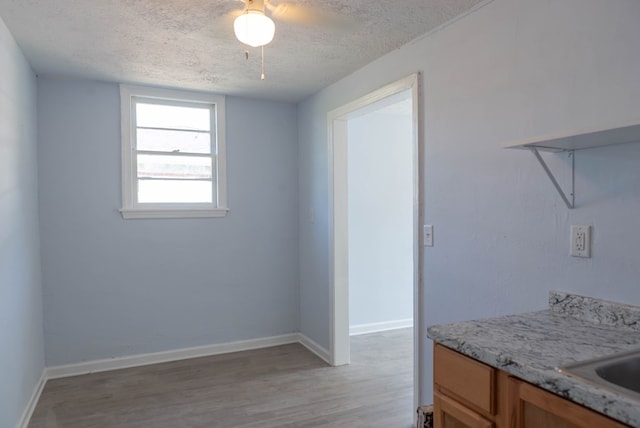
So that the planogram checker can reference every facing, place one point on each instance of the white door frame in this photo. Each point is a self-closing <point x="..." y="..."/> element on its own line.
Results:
<point x="338" y="224"/>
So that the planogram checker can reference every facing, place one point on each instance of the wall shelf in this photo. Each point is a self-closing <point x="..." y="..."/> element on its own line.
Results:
<point x="571" y="141"/>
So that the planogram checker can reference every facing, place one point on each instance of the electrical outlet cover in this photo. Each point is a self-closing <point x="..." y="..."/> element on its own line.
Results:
<point x="580" y="241"/>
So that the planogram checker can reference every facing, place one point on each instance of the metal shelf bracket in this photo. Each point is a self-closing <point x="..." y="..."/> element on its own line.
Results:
<point x="569" y="202"/>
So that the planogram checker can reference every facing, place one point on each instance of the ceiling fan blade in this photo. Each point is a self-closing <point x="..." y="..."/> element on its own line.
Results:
<point x="306" y="15"/>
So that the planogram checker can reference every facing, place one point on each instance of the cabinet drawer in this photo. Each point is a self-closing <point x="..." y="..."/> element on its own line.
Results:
<point x="450" y="414"/>
<point x="465" y="377"/>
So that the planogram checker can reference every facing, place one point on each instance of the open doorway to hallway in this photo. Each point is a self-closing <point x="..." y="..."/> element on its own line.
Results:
<point x="375" y="216"/>
<point x="380" y="211"/>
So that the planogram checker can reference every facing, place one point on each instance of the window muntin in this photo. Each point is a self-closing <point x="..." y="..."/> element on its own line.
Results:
<point x="173" y="146"/>
<point x="173" y="158"/>
<point x="166" y="140"/>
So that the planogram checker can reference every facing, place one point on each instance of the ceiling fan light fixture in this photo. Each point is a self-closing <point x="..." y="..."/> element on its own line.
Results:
<point x="254" y="28"/>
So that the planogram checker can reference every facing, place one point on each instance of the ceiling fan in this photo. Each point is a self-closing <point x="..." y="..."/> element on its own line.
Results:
<point x="254" y="28"/>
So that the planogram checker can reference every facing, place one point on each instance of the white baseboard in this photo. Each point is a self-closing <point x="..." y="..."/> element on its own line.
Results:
<point x="376" y="327"/>
<point x="31" y="404"/>
<point x="312" y="346"/>
<point x="167" y="356"/>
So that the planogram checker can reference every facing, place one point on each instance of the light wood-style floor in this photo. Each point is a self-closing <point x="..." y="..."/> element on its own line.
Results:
<point x="283" y="386"/>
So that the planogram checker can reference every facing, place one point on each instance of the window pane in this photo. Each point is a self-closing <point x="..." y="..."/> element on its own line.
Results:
<point x="173" y="141"/>
<point x="176" y="167"/>
<point x="168" y="191"/>
<point x="168" y="116"/>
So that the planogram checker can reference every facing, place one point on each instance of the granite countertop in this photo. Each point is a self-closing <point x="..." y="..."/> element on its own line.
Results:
<point x="531" y="346"/>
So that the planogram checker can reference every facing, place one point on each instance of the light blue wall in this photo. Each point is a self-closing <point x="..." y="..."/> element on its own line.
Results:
<point x="380" y="185"/>
<point x="511" y="69"/>
<point x="115" y="287"/>
<point x="21" y="341"/>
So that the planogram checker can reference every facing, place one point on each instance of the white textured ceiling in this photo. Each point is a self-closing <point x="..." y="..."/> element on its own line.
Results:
<point x="190" y="43"/>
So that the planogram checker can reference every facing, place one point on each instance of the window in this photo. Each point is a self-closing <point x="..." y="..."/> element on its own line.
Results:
<point x="173" y="157"/>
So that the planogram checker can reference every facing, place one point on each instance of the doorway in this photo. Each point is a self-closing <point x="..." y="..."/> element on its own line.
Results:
<point x="380" y="210"/>
<point x="402" y="94"/>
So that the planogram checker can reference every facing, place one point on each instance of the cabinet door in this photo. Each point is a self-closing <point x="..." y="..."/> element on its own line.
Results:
<point x="533" y="407"/>
<point x="448" y="413"/>
<point x="469" y="380"/>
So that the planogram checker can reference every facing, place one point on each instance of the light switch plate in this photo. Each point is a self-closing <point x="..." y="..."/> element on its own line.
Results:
<point x="427" y="235"/>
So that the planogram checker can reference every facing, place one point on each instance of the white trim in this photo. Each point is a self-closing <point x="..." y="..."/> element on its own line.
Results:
<point x="171" y="94"/>
<point x="418" y="244"/>
<point x="376" y="327"/>
<point x="338" y="264"/>
<point x="353" y="108"/>
<point x="31" y="405"/>
<point x="167" y="356"/>
<point x="136" y="213"/>
<point x="339" y="344"/>
<point x="312" y="346"/>
<point x="131" y="209"/>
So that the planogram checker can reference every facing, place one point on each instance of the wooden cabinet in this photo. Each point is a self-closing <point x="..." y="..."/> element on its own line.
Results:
<point x="470" y="394"/>
<point x="533" y="407"/>
<point x="467" y="393"/>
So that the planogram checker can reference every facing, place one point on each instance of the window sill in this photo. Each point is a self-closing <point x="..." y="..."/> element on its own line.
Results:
<point x="141" y="213"/>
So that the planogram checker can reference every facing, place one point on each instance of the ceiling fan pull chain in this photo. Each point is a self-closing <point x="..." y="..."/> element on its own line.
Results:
<point x="262" y="75"/>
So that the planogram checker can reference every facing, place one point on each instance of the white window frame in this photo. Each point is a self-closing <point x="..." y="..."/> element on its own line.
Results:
<point x="131" y="208"/>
